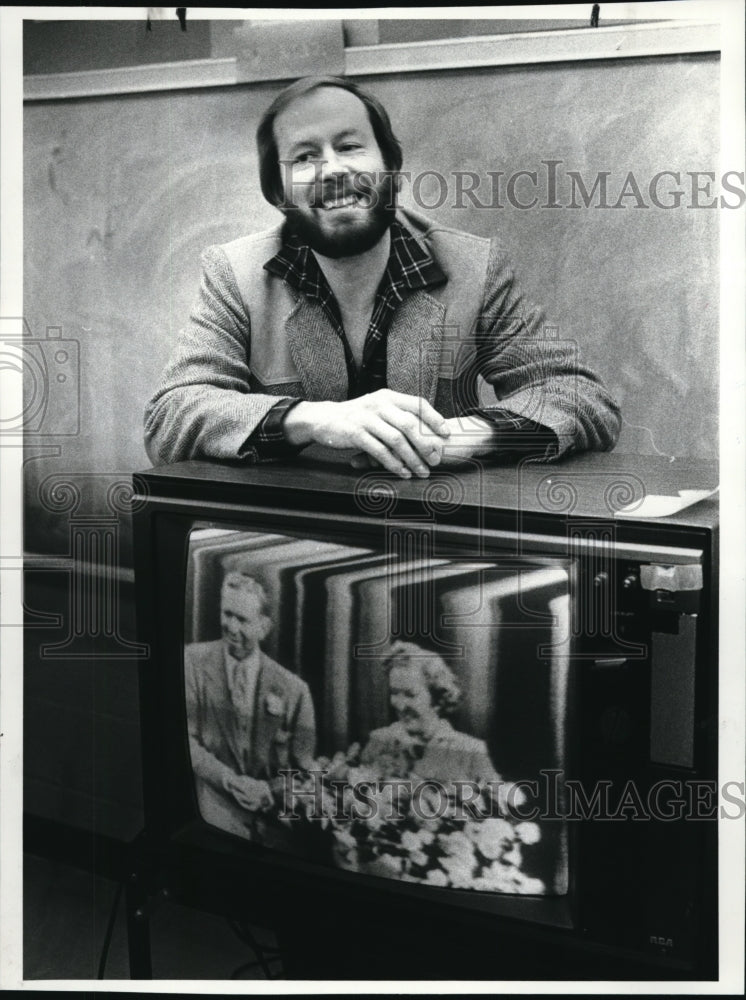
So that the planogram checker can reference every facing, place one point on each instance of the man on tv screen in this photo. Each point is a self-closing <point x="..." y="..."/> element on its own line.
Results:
<point x="363" y="327"/>
<point x="248" y="717"/>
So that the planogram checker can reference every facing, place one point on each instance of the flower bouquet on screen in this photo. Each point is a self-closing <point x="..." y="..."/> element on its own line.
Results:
<point x="381" y="817"/>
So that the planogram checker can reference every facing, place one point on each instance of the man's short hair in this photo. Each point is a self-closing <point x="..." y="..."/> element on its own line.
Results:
<point x="269" y="166"/>
<point x="236" y="580"/>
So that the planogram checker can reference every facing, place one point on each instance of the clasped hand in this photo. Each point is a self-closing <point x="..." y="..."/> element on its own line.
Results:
<point x="402" y="433"/>
<point x="251" y="793"/>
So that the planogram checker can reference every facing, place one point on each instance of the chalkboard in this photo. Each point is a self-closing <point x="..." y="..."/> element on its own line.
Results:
<point x="122" y="194"/>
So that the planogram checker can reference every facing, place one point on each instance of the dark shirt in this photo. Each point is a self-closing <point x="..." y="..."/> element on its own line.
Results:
<point x="409" y="268"/>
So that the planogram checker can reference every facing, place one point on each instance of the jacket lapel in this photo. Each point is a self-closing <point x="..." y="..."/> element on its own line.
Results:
<point x="317" y="352"/>
<point x="414" y="346"/>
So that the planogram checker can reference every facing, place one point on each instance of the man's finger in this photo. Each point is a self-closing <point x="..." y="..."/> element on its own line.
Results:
<point x="427" y="446"/>
<point x="396" y="440"/>
<point x="377" y="450"/>
<point x="422" y="409"/>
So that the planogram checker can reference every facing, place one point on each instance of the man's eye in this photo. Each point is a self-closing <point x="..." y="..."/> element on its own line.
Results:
<point x="303" y="158"/>
<point x="349" y="146"/>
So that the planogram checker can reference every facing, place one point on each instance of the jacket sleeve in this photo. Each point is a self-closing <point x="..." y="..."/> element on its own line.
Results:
<point x="204" y="764"/>
<point x="304" y="729"/>
<point x="536" y="374"/>
<point x="204" y="407"/>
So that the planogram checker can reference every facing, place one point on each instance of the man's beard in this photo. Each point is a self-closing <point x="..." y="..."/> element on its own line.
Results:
<point x="365" y="229"/>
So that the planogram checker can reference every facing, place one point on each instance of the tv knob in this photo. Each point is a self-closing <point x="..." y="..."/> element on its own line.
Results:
<point x="630" y="581"/>
<point x="601" y="579"/>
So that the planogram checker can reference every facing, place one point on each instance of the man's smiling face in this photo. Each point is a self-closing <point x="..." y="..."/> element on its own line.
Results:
<point x="338" y="195"/>
<point x="242" y="621"/>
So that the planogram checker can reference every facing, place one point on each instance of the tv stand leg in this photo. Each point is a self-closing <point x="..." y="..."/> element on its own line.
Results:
<point x="138" y="930"/>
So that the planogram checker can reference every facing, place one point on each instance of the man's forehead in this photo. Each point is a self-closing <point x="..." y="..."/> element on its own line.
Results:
<point x="245" y="599"/>
<point x="319" y="113"/>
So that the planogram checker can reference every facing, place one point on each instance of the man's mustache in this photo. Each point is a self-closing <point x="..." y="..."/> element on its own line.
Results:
<point x="367" y="186"/>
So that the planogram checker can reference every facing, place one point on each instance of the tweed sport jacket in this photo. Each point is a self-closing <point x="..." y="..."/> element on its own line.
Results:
<point x="252" y="339"/>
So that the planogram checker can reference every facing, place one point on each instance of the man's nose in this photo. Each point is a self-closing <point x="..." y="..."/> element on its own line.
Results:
<point x="332" y="165"/>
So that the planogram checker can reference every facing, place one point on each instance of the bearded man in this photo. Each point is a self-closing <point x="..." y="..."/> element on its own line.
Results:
<point x="359" y="326"/>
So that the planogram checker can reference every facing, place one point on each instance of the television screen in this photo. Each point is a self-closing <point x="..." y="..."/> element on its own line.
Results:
<point x="390" y="711"/>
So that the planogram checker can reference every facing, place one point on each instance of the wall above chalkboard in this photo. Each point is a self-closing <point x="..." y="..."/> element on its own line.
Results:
<point x="282" y="50"/>
<point x="228" y="53"/>
<point x="52" y="46"/>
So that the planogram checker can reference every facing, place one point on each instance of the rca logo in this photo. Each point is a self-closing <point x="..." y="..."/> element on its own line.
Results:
<point x="662" y="942"/>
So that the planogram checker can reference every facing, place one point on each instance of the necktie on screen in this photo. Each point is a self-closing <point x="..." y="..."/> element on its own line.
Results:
<point x="242" y="687"/>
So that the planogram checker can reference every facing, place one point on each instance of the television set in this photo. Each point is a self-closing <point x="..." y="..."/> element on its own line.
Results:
<point x="482" y="704"/>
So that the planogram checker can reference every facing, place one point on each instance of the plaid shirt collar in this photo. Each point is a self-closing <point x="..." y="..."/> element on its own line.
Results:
<point x="410" y="267"/>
